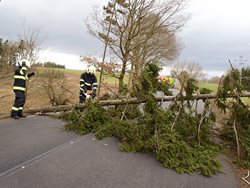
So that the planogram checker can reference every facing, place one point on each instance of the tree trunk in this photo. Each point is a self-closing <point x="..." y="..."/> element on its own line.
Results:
<point x="120" y="102"/>
<point x="236" y="137"/>
<point x="130" y="83"/>
<point x="121" y="77"/>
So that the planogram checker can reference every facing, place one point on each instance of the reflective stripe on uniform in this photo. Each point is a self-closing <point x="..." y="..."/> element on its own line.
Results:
<point x="83" y="94"/>
<point x="88" y="84"/>
<point x="81" y="80"/>
<point x="81" y="89"/>
<point x="94" y="87"/>
<point x="19" y="88"/>
<point x="22" y="69"/>
<point x="82" y="85"/>
<point x="19" y="77"/>
<point x="20" y="108"/>
<point x="95" y="84"/>
<point x="14" y="108"/>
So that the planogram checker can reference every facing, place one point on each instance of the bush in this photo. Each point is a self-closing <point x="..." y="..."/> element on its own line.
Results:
<point x="53" y="84"/>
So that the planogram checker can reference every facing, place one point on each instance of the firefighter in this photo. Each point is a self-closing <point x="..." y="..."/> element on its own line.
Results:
<point x="19" y="88"/>
<point x="88" y="84"/>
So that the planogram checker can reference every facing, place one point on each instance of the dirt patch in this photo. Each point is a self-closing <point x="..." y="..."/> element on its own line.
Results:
<point x="239" y="172"/>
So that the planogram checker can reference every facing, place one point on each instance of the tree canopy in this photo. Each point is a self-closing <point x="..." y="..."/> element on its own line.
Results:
<point x="138" y="32"/>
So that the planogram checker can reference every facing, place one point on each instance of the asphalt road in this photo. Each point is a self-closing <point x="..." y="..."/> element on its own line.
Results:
<point x="36" y="153"/>
<point x="165" y="105"/>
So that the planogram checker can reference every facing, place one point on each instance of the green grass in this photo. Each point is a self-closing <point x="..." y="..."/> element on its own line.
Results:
<point x="71" y="71"/>
<point x="106" y="78"/>
<point x="214" y="87"/>
<point x="211" y="86"/>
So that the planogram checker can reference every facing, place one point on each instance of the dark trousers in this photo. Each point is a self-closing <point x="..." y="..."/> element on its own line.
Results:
<point x="17" y="108"/>
<point x="82" y="97"/>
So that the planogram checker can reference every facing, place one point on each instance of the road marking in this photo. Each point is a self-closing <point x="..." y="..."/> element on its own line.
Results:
<point x="28" y="163"/>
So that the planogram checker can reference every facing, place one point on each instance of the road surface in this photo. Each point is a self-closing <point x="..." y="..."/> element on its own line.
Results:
<point x="36" y="152"/>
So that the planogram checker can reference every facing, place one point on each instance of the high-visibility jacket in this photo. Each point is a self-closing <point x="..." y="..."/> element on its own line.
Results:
<point x="20" y="77"/>
<point x="167" y="79"/>
<point x="88" y="82"/>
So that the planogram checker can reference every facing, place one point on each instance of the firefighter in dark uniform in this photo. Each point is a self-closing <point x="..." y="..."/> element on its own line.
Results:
<point x="88" y="84"/>
<point x="19" y="88"/>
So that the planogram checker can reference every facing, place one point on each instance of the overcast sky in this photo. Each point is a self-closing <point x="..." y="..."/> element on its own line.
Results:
<point x="218" y="30"/>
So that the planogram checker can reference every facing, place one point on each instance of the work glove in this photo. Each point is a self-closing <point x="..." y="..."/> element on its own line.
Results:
<point x="87" y="96"/>
<point x="31" y="74"/>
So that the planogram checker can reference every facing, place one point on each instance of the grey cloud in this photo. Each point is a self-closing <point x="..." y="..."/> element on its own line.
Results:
<point x="61" y="22"/>
<point x="206" y="40"/>
<point x="213" y="49"/>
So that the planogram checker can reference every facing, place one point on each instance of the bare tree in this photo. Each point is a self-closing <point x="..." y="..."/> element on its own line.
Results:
<point x="110" y="67"/>
<point x="161" y="46"/>
<point x="29" y="44"/>
<point x="192" y="68"/>
<point x="133" y="28"/>
<point x="214" y="79"/>
<point x="53" y="83"/>
<point x="26" y="47"/>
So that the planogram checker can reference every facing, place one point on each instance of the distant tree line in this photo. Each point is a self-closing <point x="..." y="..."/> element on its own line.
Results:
<point x="245" y="78"/>
<point x="50" y="64"/>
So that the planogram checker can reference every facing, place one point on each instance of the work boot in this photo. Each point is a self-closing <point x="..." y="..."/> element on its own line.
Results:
<point x="15" y="117"/>
<point x="22" y="116"/>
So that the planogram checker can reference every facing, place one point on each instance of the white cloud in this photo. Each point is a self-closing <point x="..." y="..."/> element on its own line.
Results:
<point x="71" y="61"/>
<point x="210" y="74"/>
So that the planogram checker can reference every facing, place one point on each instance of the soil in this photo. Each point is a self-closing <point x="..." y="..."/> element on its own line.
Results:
<point x="240" y="173"/>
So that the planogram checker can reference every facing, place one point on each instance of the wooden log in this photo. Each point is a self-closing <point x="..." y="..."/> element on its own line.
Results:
<point x="121" y="102"/>
<point x="48" y="109"/>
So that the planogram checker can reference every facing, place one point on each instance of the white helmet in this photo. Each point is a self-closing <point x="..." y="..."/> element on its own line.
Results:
<point x="25" y="62"/>
<point x="91" y="69"/>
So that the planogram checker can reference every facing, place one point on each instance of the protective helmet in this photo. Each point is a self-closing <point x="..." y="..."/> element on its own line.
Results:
<point x="25" y="62"/>
<point x="91" y="69"/>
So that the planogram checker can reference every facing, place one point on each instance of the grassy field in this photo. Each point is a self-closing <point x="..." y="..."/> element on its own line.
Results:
<point x="71" y="71"/>
<point x="214" y="87"/>
<point x="106" y="78"/>
<point x="211" y="86"/>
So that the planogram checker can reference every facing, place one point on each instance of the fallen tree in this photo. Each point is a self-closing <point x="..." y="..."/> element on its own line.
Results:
<point x="177" y="136"/>
<point x="62" y="108"/>
<point x="169" y="134"/>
